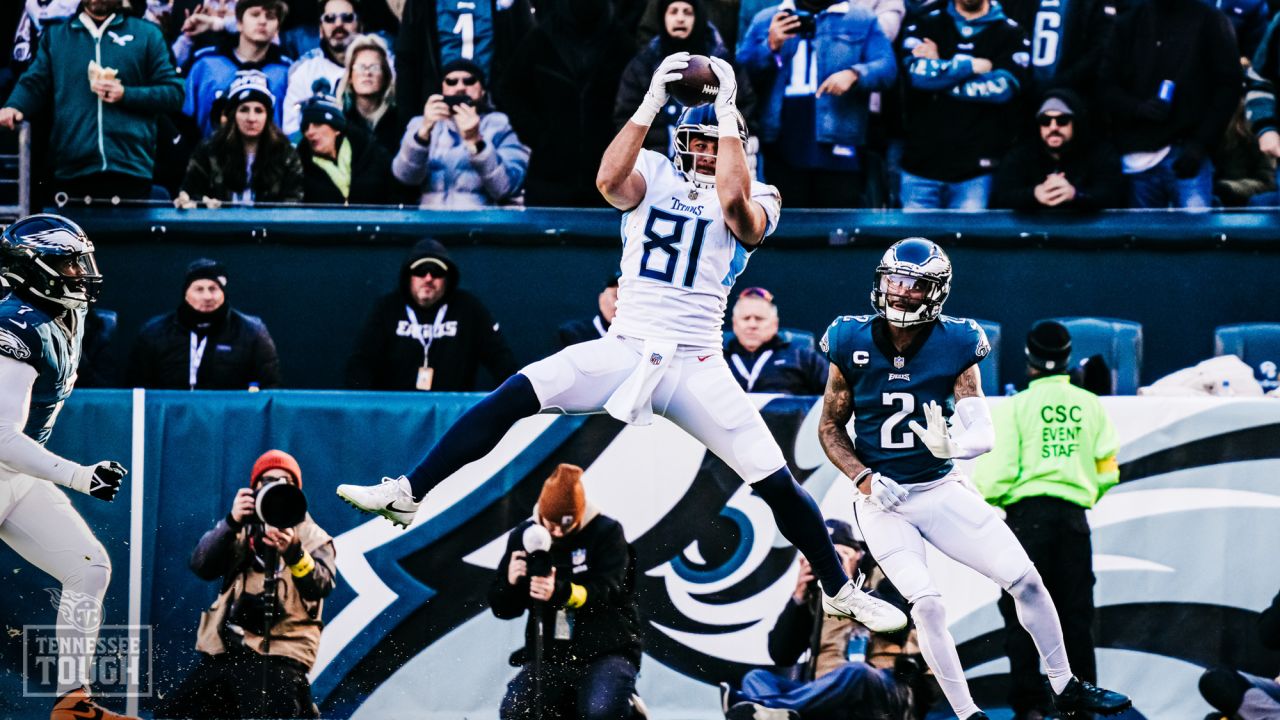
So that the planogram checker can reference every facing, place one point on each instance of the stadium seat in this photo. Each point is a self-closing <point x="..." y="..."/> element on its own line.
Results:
<point x="990" y="367"/>
<point x="1257" y="344"/>
<point x="1119" y="342"/>
<point x="790" y="334"/>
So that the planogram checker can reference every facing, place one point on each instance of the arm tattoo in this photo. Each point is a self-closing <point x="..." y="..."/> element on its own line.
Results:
<point x="969" y="384"/>
<point x="833" y="431"/>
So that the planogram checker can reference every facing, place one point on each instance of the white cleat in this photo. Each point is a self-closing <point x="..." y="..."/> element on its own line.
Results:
<point x="851" y="602"/>
<point x="392" y="499"/>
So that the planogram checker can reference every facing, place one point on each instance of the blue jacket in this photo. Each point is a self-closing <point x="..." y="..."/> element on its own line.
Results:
<point x="846" y="37"/>
<point x="211" y="75"/>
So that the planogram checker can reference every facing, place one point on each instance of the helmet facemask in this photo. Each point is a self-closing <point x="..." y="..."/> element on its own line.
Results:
<point x="72" y="281"/>
<point x="687" y="160"/>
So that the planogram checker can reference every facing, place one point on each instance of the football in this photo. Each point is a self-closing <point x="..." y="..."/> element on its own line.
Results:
<point x="697" y="85"/>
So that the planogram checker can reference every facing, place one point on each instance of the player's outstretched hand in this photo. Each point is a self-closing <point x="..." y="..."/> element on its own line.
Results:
<point x="935" y="435"/>
<point x="727" y="98"/>
<point x="104" y="482"/>
<point x="668" y="71"/>
<point x="886" y="493"/>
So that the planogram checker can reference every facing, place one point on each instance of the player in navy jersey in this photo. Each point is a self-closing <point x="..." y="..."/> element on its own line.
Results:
<point x="48" y="263"/>
<point x="899" y="375"/>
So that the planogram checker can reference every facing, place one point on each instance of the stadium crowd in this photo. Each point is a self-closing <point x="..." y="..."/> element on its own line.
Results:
<point x="963" y="104"/>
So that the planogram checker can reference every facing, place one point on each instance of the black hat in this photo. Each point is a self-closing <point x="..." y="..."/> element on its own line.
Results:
<point x="250" y="85"/>
<point x="206" y="269"/>
<point x="323" y="110"/>
<point x="1049" y="346"/>
<point x="465" y="65"/>
<point x="841" y="533"/>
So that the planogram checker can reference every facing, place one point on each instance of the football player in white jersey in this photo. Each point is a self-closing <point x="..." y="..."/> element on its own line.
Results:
<point x="690" y="225"/>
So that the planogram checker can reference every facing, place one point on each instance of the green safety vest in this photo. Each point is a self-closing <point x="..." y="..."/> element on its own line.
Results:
<point x="1052" y="439"/>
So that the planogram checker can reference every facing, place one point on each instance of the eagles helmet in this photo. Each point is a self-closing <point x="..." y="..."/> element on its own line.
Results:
<point x="51" y="258"/>
<point x="912" y="281"/>
<point x="699" y="120"/>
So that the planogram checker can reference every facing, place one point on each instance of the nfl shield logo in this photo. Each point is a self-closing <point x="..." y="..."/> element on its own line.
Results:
<point x="579" y="556"/>
<point x="899" y="361"/>
<point x="655" y="359"/>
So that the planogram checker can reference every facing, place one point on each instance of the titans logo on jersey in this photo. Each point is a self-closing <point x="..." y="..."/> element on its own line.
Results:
<point x="891" y="388"/>
<point x="29" y="335"/>
<point x="679" y="259"/>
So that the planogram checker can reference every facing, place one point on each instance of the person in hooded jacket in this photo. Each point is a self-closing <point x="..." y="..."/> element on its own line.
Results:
<point x="428" y="334"/>
<point x="560" y="85"/>
<point x="685" y="28"/>
<point x="1064" y="167"/>
<point x="586" y="606"/>
<point x="204" y="344"/>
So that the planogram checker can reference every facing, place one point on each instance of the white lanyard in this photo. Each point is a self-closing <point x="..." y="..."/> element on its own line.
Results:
<point x="752" y="375"/>
<point x="196" y="357"/>
<point x="600" y="328"/>
<point x="430" y="332"/>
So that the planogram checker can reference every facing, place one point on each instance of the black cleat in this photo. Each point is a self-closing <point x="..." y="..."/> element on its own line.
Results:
<point x="1082" y="697"/>
<point x="978" y="716"/>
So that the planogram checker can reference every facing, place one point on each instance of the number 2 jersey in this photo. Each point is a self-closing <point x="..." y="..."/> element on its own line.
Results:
<point x="679" y="259"/>
<point x="891" y="388"/>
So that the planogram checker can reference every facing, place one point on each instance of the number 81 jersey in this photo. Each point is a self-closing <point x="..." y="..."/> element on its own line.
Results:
<point x="891" y="388"/>
<point x="679" y="259"/>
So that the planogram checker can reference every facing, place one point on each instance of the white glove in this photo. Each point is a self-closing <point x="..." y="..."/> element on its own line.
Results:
<point x="935" y="435"/>
<point x="656" y="98"/>
<point x="886" y="493"/>
<point x="727" y="99"/>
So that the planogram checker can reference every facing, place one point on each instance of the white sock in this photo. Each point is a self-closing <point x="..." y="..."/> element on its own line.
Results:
<point x="1038" y="615"/>
<point x="82" y="636"/>
<point x="939" y="650"/>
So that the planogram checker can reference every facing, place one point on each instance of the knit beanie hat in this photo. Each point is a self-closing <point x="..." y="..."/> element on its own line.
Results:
<point x="249" y="85"/>
<point x="205" y="269"/>
<point x="322" y="109"/>
<point x="275" y="460"/>
<point x="563" y="500"/>
<point x="1049" y="346"/>
<point x="464" y="65"/>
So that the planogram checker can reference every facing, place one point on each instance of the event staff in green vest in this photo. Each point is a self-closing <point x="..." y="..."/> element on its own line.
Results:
<point x="1054" y="457"/>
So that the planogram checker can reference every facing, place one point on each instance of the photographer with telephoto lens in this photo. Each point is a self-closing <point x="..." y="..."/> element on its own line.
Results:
<point x="259" y="638"/>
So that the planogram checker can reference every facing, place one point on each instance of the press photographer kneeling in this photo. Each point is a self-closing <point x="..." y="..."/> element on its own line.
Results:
<point x="259" y="638"/>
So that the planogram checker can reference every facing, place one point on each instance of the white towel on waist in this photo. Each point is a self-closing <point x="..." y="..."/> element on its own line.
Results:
<point x="632" y="402"/>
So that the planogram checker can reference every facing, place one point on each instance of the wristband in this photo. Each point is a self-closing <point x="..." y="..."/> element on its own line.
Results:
<point x="304" y="566"/>
<point x="857" y="479"/>
<point x="577" y="596"/>
<point x="729" y="127"/>
<point x="648" y="110"/>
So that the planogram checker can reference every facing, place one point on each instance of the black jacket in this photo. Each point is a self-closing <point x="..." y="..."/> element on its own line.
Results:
<point x="417" y="51"/>
<point x="238" y="351"/>
<point x="1090" y="164"/>
<point x="562" y="82"/>
<point x="598" y="558"/>
<point x="388" y="355"/>
<point x="576" y="331"/>
<point x="371" y="180"/>
<point x="960" y="131"/>
<point x="1188" y="42"/>
<point x="792" y="368"/>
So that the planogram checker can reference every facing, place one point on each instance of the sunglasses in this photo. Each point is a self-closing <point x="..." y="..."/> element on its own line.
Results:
<point x="757" y="292"/>
<point x="427" y="271"/>
<point x="468" y="81"/>
<point x="1059" y="120"/>
<point x="334" y="18"/>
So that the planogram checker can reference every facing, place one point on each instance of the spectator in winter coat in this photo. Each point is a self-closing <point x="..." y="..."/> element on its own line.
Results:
<point x="1067" y="41"/>
<point x="763" y="360"/>
<point x="428" y="334"/>
<point x="341" y="166"/>
<point x="966" y="64"/>
<point x="685" y="29"/>
<point x="423" y="46"/>
<point x="1242" y="171"/>
<point x="205" y="344"/>
<point x="813" y="128"/>
<point x="253" y="49"/>
<point x="460" y="152"/>
<point x="368" y="91"/>
<point x="1171" y="79"/>
<point x="562" y="80"/>
<point x="103" y="127"/>
<point x="1064" y="167"/>
<point x="320" y="70"/>
<point x="248" y="159"/>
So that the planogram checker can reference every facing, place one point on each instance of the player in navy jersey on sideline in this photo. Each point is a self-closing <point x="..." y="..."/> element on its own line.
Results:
<point x="905" y="370"/>
<point x="689" y="226"/>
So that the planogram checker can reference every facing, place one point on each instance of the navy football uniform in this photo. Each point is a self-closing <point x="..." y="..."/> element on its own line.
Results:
<point x="52" y="347"/>
<point x="891" y="388"/>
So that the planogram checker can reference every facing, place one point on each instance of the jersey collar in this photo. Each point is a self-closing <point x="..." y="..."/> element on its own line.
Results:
<point x="1047" y="379"/>
<point x="880" y="336"/>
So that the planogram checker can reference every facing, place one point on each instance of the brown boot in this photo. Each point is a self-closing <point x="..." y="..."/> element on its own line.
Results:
<point x="77" y="705"/>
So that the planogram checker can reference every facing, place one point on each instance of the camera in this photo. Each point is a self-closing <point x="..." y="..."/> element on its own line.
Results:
<point x="453" y="101"/>
<point x="808" y="23"/>
<point x="280" y="504"/>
